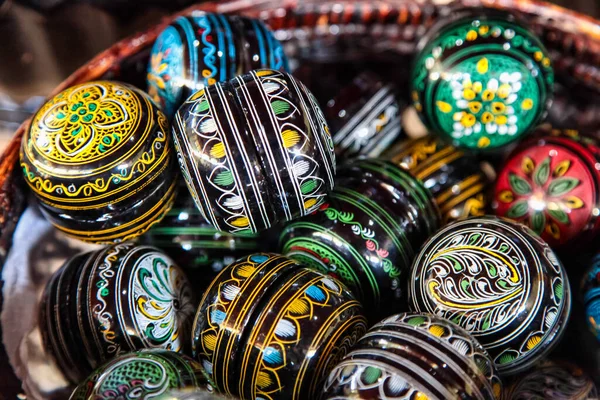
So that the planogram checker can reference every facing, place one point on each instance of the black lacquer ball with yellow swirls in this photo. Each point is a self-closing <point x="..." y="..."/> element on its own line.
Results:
<point x="98" y="157"/>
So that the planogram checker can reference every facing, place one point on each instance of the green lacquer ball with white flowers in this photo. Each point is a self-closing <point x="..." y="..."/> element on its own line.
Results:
<point x="482" y="80"/>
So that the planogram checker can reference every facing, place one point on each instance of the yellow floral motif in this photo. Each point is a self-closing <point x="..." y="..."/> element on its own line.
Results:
<point x="158" y="66"/>
<point x="207" y="75"/>
<point x="485" y="106"/>
<point x="85" y="123"/>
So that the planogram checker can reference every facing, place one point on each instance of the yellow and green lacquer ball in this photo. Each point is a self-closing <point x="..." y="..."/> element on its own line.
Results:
<point x="98" y="157"/>
<point x="482" y="80"/>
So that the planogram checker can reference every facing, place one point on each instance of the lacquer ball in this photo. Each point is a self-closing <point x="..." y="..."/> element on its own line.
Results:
<point x="553" y="380"/>
<point x="268" y="327"/>
<point x="481" y="80"/>
<point x="415" y="356"/>
<point x="591" y="295"/>
<point x="552" y="184"/>
<point x="364" y="117"/>
<point x="499" y="281"/>
<point x="99" y="158"/>
<point x="143" y="375"/>
<point x="367" y="233"/>
<point x="102" y="304"/>
<point x="201" y="49"/>
<point x="454" y="177"/>
<point x="254" y="151"/>
<point x="195" y="245"/>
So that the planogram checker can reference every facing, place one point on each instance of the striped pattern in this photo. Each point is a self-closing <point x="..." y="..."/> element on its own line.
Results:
<point x="263" y="312"/>
<point x="254" y="151"/>
<point x="454" y="178"/>
<point x="372" y="128"/>
<point x="201" y="49"/>
<point x="374" y="203"/>
<point x="418" y="355"/>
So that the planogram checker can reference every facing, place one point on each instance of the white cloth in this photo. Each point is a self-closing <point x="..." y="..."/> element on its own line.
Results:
<point x="38" y="250"/>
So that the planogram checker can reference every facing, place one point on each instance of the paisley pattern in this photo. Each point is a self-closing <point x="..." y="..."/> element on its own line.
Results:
<point x="161" y="297"/>
<point x="141" y="375"/>
<point x="402" y="357"/>
<point x="154" y="382"/>
<point x="482" y="80"/>
<point x="85" y="123"/>
<point x="500" y="282"/>
<point x="478" y="280"/>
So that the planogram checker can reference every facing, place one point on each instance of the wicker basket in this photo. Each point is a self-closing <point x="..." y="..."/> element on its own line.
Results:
<point x="334" y="31"/>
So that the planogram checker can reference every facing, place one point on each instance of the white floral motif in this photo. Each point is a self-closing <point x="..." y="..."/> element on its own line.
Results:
<point x="488" y="108"/>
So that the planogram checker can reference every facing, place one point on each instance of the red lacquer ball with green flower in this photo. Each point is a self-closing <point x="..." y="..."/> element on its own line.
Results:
<point x="552" y="185"/>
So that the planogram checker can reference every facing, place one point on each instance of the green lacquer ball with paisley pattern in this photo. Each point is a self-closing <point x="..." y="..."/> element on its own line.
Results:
<point x="482" y="80"/>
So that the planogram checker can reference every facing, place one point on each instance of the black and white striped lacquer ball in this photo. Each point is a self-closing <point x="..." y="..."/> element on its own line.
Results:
<point x="418" y="357"/>
<point x="254" y="151"/>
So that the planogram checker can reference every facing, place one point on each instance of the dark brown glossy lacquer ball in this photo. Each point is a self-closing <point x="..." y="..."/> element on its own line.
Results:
<point x="268" y="327"/>
<point x="144" y="375"/>
<point x="498" y="280"/>
<point x="454" y="177"/>
<point x="364" y="117"/>
<point x="367" y="233"/>
<point x="99" y="159"/>
<point x="553" y="380"/>
<point x="115" y="300"/>
<point x="195" y="245"/>
<point x="415" y="356"/>
<point x="254" y="151"/>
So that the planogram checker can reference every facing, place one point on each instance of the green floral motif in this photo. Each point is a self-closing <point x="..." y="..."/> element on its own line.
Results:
<point x="368" y="235"/>
<point x="162" y="300"/>
<point x="542" y="195"/>
<point x="483" y="83"/>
